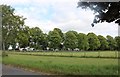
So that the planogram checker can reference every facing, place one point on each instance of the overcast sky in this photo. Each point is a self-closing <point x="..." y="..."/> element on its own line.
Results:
<point x="63" y="14"/>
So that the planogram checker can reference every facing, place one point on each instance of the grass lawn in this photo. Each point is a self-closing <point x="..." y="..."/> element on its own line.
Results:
<point x="64" y="65"/>
<point x="103" y="54"/>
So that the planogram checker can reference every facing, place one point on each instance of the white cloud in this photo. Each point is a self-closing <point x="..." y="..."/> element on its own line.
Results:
<point x="64" y="14"/>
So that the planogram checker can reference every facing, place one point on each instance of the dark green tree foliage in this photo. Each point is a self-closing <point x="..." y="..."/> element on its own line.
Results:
<point x="94" y="42"/>
<point x="103" y="42"/>
<point x="75" y="33"/>
<point x="111" y="42"/>
<point x="83" y="41"/>
<point x="106" y="11"/>
<point x="62" y="36"/>
<point x="22" y="39"/>
<point x="71" y="40"/>
<point x="60" y="33"/>
<point x="37" y="37"/>
<point x="44" y="42"/>
<point x="11" y="24"/>
<point x="117" y="39"/>
<point x="54" y="39"/>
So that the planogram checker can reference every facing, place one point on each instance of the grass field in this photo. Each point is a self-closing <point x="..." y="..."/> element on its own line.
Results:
<point x="89" y="54"/>
<point x="64" y="65"/>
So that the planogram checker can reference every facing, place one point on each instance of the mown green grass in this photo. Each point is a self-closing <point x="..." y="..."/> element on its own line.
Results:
<point x="107" y="54"/>
<point x="65" y="65"/>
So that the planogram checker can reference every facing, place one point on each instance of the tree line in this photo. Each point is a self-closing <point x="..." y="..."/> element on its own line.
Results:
<point x="15" y="31"/>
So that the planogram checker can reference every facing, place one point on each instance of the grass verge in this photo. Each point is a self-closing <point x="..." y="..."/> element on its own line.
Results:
<point x="65" y="65"/>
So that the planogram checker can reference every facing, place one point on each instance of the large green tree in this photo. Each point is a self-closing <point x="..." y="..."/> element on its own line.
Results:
<point x="103" y="42"/>
<point x="83" y="41"/>
<point x="54" y="39"/>
<point x="61" y="35"/>
<point x="11" y="24"/>
<point x="36" y="37"/>
<point x="94" y="42"/>
<point x="71" y="40"/>
<point x="22" y="39"/>
<point x="105" y="11"/>
<point x="117" y="39"/>
<point x="60" y="32"/>
<point x="44" y="42"/>
<point x="111" y="42"/>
